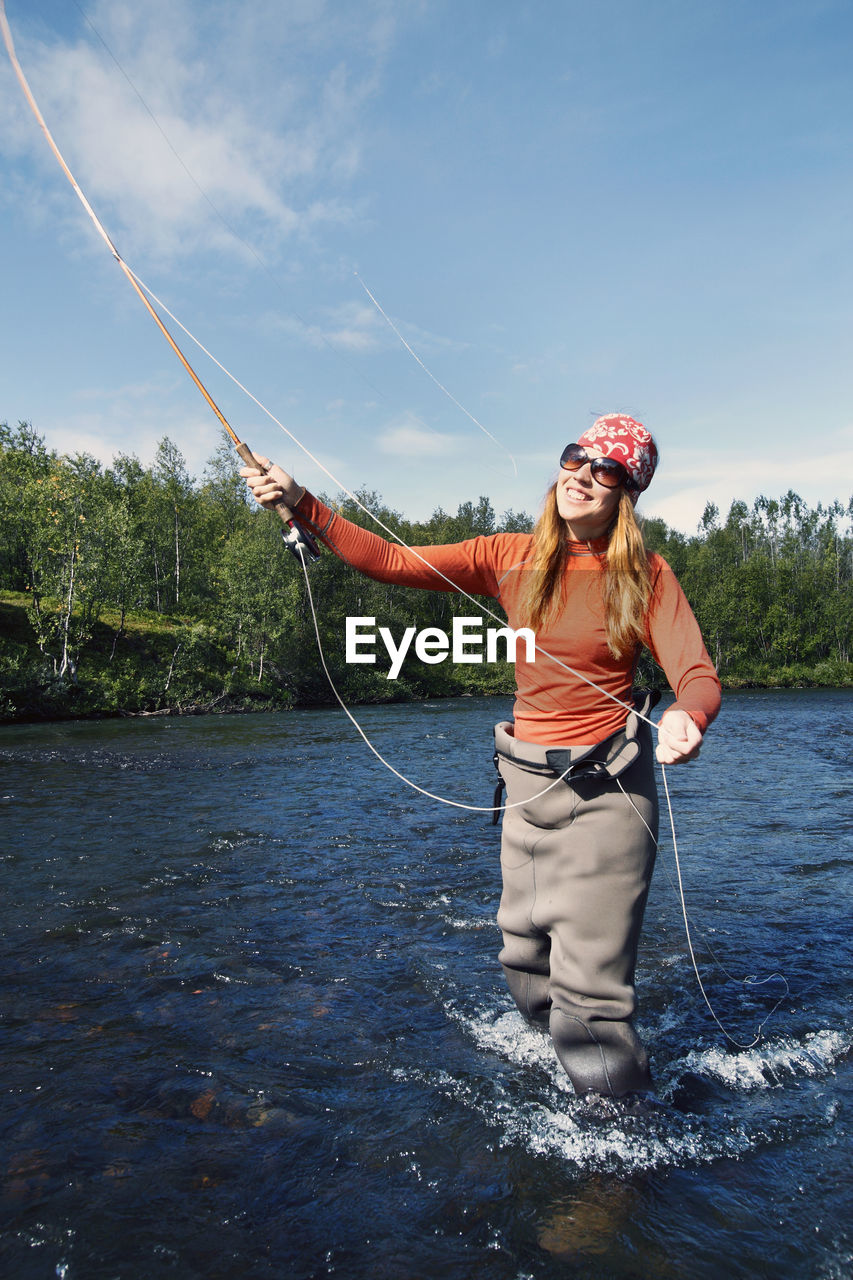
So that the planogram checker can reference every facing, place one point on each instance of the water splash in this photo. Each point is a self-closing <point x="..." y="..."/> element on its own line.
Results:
<point x="768" y="1066"/>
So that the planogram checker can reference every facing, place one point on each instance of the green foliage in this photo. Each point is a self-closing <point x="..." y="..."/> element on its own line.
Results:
<point x="133" y="589"/>
<point x="773" y="590"/>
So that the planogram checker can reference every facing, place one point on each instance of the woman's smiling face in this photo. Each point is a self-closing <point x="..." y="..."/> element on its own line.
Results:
<point x="586" y="506"/>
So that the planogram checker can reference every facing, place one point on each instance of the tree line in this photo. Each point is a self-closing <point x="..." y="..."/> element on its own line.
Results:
<point x="138" y="589"/>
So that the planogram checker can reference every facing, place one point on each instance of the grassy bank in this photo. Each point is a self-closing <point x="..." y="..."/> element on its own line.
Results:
<point x="149" y="663"/>
<point x="142" y="664"/>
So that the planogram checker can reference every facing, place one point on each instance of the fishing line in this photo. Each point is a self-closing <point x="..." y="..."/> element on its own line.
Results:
<point x="142" y="289"/>
<point x="751" y="981"/>
<point x="429" y="374"/>
<point x="745" y="982"/>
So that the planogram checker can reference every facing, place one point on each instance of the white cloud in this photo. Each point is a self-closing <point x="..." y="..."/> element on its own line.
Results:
<point x="270" y="148"/>
<point x="680" y="492"/>
<point x="409" y="440"/>
<point x="352" y="326"/>
<point x="349" y="327"/>
<point x="358" y="326"/>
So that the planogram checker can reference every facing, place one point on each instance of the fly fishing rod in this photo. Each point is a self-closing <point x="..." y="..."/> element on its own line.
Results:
<point x="298" y="540"/>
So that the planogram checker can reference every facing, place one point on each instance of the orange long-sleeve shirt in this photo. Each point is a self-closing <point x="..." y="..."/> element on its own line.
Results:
<point x="552" y="706"/>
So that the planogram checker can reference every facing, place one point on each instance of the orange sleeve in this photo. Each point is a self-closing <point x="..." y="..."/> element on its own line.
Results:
<point x="677" y="645"/>
<point x="458" y="566"/>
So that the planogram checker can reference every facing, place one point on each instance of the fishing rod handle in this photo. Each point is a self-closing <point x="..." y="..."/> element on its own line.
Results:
<point x="251" y="461"/>
<point x="297" y="540"/>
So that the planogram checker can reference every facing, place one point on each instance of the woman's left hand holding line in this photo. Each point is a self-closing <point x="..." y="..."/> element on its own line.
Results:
<point x="679" y="738"/>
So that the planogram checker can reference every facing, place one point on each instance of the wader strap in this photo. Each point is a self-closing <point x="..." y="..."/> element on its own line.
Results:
<point x="499" y="790"/>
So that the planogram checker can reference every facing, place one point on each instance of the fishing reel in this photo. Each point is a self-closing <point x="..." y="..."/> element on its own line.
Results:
<point x="300" y="543"/>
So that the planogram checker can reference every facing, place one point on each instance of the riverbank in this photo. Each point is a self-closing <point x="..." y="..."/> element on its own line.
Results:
<point x="147" y="664"/>
<point x="129" y="590"/>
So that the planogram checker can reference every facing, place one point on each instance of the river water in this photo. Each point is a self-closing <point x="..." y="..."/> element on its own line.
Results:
<point x="254" y="1026"/>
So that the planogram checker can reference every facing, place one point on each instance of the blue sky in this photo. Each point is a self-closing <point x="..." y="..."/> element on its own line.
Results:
<point x="565" y="208"/>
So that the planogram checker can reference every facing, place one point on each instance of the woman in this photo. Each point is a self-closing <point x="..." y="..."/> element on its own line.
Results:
<point x="580" y="829"/>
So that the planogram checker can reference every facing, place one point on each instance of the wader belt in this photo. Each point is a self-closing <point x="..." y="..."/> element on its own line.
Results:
<point x="606" y="759"/>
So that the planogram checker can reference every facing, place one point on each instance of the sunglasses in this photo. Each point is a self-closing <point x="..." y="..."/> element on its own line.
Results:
<point x="607" y="471"/>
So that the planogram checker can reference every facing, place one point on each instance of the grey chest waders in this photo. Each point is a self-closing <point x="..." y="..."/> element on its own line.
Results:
<point x="577" y="863"/>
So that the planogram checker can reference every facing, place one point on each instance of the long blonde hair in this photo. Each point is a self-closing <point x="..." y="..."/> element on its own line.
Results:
<point x="627" y="579"/>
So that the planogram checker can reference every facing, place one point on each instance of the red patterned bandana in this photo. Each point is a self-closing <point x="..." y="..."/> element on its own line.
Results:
<point x="623" y="438"/>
